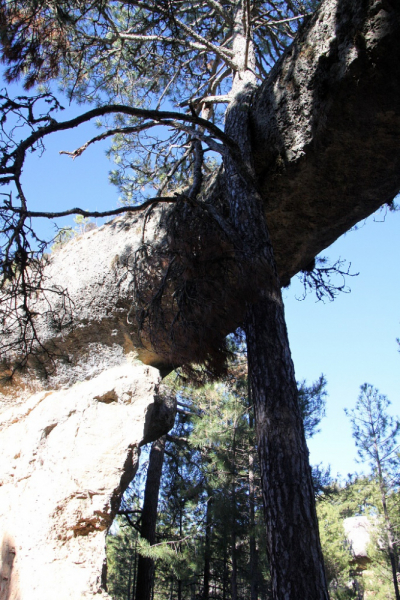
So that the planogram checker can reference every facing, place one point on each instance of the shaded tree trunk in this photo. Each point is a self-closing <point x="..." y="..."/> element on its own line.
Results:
<point x="225" y="574"/>
<point x="293" y="543"/>
<point x="234" y="568"/>
<point x="388" y="526"/>
<point x="234" y="593"/>
<point x="207" y="549"/>
<point x="252" y="538"/>
<point x="149" y="518"/>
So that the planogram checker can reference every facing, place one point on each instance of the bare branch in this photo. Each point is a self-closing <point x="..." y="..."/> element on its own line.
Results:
<point x="27" y="214"/>
<point x="220" y="9"/>
<point x="207" y="100"/>
<point x="320" y="277"/>
<point x="161" y="117"/>
<point x="106" y="134"/>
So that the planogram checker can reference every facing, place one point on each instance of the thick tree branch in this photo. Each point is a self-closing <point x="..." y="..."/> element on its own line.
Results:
<point x="30" y="214"/>
<point x="159" y="116"/>
<point x="109" y="133"/>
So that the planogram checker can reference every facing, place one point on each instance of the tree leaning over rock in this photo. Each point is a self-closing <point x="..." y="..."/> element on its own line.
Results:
<point x="309" y="146"/>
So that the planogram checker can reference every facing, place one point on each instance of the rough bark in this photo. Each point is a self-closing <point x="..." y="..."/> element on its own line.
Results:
<point x="252" y="537"/>
<point x="225" y="574"/>
<point x="149" y="518"/>
<point x="207" y="548"/>
<point x="292" y="529"/>
<point x="293" y="544"/>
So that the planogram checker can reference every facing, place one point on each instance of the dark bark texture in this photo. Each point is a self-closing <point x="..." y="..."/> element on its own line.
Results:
<point x="293" y="543"/>
<point x="149" y="518"/>
<point x="291" y="522"/>
<point x="253" y="561"/>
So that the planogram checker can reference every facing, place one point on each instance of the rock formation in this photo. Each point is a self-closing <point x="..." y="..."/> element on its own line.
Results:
<point x="326" y="131"/>
<point x="73" y="420"/>
<point x="67" y="457"/>
<point x="358" y="536"/>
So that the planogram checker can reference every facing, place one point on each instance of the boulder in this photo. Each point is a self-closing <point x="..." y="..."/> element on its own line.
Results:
<point x="358" y="536"/>
<point x="66" y="458"/>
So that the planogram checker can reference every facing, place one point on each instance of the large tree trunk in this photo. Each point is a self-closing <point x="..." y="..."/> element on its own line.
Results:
<point x="292" y="529"/>
<point x="252" y="537"/>
<point x="149" y="518"/>
<point x="293" y="543"/>
<point x="207" y="548"/>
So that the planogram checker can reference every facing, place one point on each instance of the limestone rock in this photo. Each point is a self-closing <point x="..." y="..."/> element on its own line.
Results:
<point x="67" y="456"/>
<point x="358" y="536"/>
<point x="82" y="316"/>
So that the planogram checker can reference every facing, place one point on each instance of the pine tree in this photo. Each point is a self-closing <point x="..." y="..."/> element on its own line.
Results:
<point x="210" y="512"/>
<point x="375" y="433"/>
<point x="122" y="561"/>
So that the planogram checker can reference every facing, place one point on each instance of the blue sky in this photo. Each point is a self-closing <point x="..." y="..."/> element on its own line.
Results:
<point x="351" y="340"/>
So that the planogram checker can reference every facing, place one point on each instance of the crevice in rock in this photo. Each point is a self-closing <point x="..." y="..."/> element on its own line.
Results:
<point x="108" y="397"/>
<point x="47" y="430"/>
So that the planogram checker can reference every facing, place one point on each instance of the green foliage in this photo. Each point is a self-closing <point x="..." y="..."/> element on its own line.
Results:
<point x="62" y="238"/>
<point x="374" y="430"/>
<point x="336" y="554"/>
<point x="312" y="401"/>
<point x="121" y="561"/>
<point x="378" y="579"/>
<point x="83" y="224"/>
<point x="204" y="506"/>
<point x="334" y="505"/>
<point x="179" y="554"/>
<point x="375" y="433"/>
<point x="206" y="488"/>
<point x="66" y="234"/>
<point x="358" y="497"/>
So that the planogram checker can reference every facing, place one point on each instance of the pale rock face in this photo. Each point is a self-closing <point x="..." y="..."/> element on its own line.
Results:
<point x="83" y="312"/>
<point x="358" y="535"/>
<point x="66" y="458"/>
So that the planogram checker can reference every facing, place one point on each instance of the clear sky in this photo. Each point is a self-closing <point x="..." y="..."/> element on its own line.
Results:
<point x="351" y="340"/>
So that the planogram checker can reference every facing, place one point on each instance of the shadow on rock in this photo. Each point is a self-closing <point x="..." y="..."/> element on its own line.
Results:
<point x="8" y="576"/>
